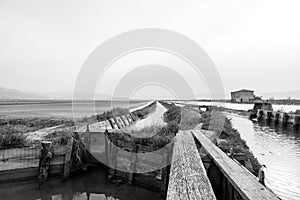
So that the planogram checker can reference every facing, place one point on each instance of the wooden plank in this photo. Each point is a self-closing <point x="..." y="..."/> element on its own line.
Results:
<point x="108" y="125"/>
<point x="19" y="152"/>
<point x="132" y="167"/>
<point x="114" y="123"/>
<point x="59" y="150"/>
<point x="188" y="179"/>
<point x="243" y="182"/>
<point x="129" y="118"/>
<point x="18" y="164"/>
<point x="120" y="122"/>
<point x="124" y="119"/>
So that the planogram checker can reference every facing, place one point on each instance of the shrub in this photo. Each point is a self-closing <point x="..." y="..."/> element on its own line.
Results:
<point x="112" y="113"/>
<point x="11" y="137"/>
<point x="173" y="114"/>
<point x="60" y="137"/>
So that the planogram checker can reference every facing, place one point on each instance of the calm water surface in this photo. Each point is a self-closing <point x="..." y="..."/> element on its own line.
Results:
<point x="92" y="182"/>
<point x="279" y="149"/>
<point x="56" y="108"/>
<point x="246" y="107"/>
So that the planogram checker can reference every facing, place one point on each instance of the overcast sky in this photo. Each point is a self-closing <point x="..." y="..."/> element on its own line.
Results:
<point x="254" y="44"/>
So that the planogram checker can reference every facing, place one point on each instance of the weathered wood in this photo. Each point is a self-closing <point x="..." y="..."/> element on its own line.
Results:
<point x="108" y="125"/>
<point x="188" y="179"/>
<point x="165" y="171"/>
<point x="67" y="159"/>
<point x="129" y="118"/>
<point x="124" y="119"/>
<point x="133" y="117"/>
<point x="243" y="182"/>
<point x="119" y="122"/>
<point x="114" y="123"/>
<point x="132" y="167"/>
<point x="44" y="163"/>
<point x="19" y="153"/>
<point x="113" y="158"/>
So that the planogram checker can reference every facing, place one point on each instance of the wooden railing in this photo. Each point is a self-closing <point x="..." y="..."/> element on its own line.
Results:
<point x="228" y="179"/>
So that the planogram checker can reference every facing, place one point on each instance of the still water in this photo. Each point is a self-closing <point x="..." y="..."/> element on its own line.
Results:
<point x="276" y="147"/>
<point x="246" y="107"/>
<point x="92" y="183"/>
<point x="60" y="108"/>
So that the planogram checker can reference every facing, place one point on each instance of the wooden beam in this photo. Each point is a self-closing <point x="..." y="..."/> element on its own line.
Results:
<point x="243" y="182"/>
<point x="188" y="179"/>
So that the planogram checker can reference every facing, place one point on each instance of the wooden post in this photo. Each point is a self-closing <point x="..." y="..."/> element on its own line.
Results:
<point x="113" y="159"/>
<point x="296" y="121"/>
<point x="276" y="120"/>
<point x="260" y="114"/>
<point x="44" y="163"/>
<point x="165" y="173"/>
<point x="67" y="161"/>
<point x="261" y="175"/>
<point x="88" y="142"/>
<point x="285" y="118"/>
<point x="132" y="164"/>
<point x="106" y="141"/>
<point x="269" y="116"/>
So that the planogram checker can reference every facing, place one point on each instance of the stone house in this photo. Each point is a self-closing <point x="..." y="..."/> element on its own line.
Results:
<point x="242" y="96"/>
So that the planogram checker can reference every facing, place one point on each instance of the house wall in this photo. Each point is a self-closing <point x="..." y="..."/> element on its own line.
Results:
<point x="242" y="96"/>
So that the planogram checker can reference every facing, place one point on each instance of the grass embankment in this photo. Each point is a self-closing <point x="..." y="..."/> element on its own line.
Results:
<point x="159" y="136"/>
<point x="12" y="131"/>
<point x="144" y="112"/>
<point x="177" y="118"/>
<point x="221" y="125"/>
<point x="185" y="117"/>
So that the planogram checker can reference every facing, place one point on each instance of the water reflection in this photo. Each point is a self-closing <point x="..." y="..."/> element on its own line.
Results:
<point x="91" y="184"/>
<point x="279" y="149"/>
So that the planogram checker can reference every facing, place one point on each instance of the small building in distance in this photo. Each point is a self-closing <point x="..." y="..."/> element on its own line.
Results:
<point x="242" y="96"/>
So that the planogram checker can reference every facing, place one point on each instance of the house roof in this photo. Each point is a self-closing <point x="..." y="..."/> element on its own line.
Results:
<point x="243" y="90"/>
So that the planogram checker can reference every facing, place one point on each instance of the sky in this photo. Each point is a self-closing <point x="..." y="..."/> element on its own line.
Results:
<point x="253" y="44"/>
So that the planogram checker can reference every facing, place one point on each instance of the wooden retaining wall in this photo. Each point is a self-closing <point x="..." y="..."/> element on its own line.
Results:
<point x="137" y="164"/>
<point x="229" y="180"/>
<point x="23" y="163"/>
<point x="133" y="163"/>
<point x="112" y="123"/>
<point x="279" y="117"/>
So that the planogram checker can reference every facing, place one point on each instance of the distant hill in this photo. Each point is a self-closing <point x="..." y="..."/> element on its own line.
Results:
<point x="294" y="94"/>
<point x="6" y="93"/>
<point x="81" y="96"/>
